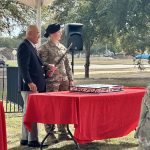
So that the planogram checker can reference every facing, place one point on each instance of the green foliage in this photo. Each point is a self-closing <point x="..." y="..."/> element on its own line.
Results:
<point x="9" y="42"/>
<point x="14" y="14"/>
<point x="105" y="20"/>
<point x="122" y="24"/>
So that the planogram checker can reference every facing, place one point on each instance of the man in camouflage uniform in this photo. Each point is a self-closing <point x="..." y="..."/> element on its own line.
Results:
<point x="50" y="52"/>
<point x="143" y="130"/>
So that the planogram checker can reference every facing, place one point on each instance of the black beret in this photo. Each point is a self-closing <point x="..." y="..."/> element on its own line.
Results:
<point x="52" y="28"/>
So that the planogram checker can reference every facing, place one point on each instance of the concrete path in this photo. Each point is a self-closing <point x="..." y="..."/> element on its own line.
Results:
<point x="109" y="66"/>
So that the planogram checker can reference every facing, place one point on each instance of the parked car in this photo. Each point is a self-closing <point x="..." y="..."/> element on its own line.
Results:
<point x="142" y="56"/>
<point x="108" y="53"/>
<point x="2" y="63"/>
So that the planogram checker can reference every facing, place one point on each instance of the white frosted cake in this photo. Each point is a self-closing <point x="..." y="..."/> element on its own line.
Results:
<point x="96" y="88"/>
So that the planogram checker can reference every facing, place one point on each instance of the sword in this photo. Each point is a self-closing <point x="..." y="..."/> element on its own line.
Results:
<point x="49" y="73"/>
<point x="61" y="58"/>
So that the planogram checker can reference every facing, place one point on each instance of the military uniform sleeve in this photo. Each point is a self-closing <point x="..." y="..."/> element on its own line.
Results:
<point x="43" y="54"/>
<point x="144" y="108"/>
<point x="143" y="113"/>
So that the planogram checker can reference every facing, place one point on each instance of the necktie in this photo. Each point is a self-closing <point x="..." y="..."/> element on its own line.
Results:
<point x="36" y="51"/>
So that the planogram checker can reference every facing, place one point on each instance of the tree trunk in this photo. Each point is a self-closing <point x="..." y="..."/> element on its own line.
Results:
<point x="87" y="62"/>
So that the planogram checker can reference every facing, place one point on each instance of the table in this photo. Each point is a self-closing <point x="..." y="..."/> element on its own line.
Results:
<point x="3" y="139"/>
<point x="95" y="116"/>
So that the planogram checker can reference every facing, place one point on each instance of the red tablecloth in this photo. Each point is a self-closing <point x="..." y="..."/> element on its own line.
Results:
<point x="96" y="116"/>
<point x="3" y="139"/>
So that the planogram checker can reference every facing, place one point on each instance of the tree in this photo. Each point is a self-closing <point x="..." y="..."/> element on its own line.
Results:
<point x="80" y="12"/>
<point x="135" y="34"/>
<point x="123" y="24"/>
<point x="9" y="42"/>
<point x="13" y="14"/>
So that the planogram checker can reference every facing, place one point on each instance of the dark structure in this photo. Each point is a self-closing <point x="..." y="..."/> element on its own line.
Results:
<point x="13" y="93"/>
<point x="74" y="35"/>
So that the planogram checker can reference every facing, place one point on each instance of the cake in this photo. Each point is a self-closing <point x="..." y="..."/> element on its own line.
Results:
<point x="96" y="88"/>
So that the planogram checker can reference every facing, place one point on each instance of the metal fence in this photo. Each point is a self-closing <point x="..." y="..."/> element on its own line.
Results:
<point x="9" y="92"/>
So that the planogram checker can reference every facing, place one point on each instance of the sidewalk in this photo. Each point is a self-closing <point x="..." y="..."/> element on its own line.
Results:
<point x="130" y="77"/>
<point x="130" y="73"/>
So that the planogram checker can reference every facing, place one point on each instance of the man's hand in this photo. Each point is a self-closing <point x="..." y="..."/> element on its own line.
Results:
<point x="52" y="67"/>
<point x="71" y="83"/>
<point x="32" y="87"/>
<point x="51" y="70"/>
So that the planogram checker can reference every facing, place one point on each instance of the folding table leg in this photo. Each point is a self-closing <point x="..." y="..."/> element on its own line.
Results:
<point x="41" y="146"/>
<point x="78" y="147"/>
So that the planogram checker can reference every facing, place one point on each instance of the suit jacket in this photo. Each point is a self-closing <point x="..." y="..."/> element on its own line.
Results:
<point x="30" y="67"/>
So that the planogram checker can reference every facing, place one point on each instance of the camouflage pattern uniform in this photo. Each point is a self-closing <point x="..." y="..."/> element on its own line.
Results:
<point x="143" y="130"/>
<point x="59" y="81"/>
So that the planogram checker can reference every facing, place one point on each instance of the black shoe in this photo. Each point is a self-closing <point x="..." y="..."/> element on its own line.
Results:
<point x="24" y="142"/>
<point x="51" y="139"/>
<point x="33" y="144"/>
<point x="64" y="137"/>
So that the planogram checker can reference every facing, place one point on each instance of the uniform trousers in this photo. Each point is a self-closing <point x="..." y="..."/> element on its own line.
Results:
<point x="55" y="86"/>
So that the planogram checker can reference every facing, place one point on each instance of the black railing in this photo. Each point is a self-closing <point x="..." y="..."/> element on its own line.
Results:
<point x="10" y="94"/>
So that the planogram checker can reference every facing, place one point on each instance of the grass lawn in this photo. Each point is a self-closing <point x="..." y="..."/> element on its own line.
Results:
<point x="93" y="60"/>
<point x="128" y="77"/>
<point x="13" y="122"/>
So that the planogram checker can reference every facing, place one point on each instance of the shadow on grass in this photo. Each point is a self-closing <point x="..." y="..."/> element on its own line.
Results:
<point x="89" y="146"/>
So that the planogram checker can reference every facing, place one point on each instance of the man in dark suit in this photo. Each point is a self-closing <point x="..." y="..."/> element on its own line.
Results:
<point x="32" y="79"/>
